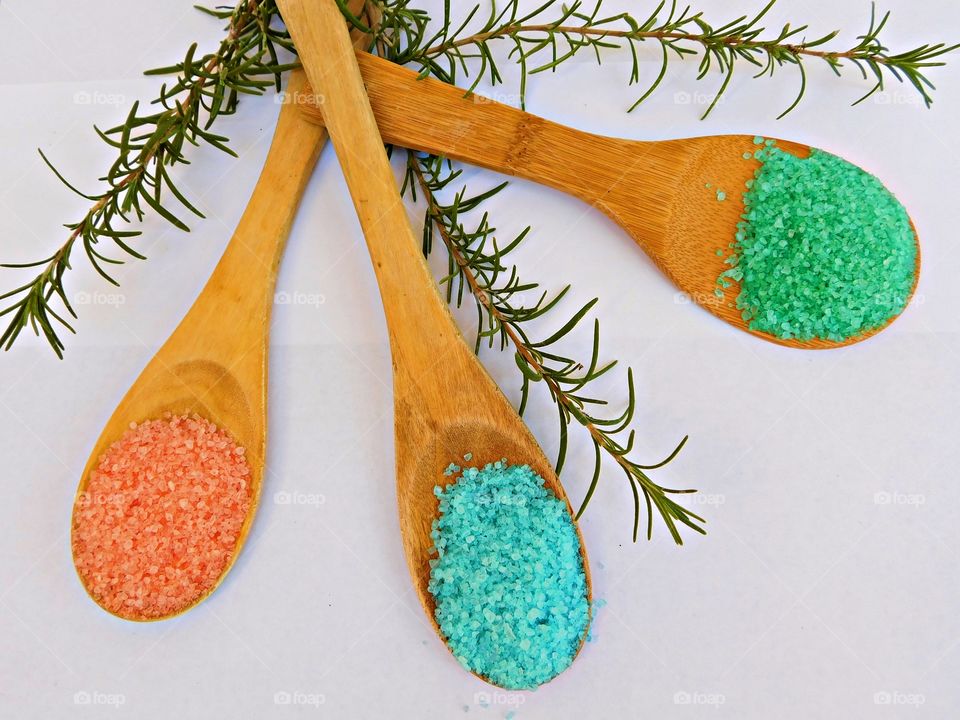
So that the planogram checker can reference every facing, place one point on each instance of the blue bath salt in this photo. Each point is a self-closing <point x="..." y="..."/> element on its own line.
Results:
<point x="508" y="577"/>
<point x="597" y="605"/>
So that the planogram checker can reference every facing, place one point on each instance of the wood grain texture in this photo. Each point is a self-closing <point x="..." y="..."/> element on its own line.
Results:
<point x="215" y="362"/>
<point x="655" y="191"/>
<point x="446" y="405"/>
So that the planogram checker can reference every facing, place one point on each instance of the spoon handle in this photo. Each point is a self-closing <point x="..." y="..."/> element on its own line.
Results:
<point x="486" y="133"/>
<point x="236" y="302"/>
<point x="419" y="322"/>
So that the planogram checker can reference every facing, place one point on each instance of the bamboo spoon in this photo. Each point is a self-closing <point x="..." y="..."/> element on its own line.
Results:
<point x="215" y="362"/>
<point x="445" y="404"/>
<point x="653" y="190"/>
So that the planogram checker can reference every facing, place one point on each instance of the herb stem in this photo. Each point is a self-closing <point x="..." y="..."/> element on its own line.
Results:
<point x="600" y="33"/>
<point x="572" y="407"/>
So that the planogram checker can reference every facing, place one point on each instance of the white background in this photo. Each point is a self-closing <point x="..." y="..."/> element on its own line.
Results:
<point x="826" y="586"/>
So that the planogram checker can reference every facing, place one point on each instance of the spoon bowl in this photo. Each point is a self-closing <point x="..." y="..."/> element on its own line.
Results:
<point x="484" y="426"/>
<point x="656" y="191"/>
<point x="215" y="362"/>
<point x="684" y="231"/>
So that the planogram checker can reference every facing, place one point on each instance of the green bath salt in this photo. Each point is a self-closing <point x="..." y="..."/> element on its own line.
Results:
<point x="508" y="579"/>
<point x="823" y="250"/>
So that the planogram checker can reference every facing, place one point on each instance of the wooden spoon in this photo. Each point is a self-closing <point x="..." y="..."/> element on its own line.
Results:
<point x="445" y="404"/>
<point x="215" y="362"/>
<point x="656" y="191"/>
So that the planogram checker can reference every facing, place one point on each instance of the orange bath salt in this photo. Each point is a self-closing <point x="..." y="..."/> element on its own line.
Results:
<point x="161" y="515"/>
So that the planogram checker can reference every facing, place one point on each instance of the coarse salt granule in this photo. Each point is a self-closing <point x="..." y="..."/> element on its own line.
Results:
<point x="823" y="250"/>
<point x="508" y="580"/>
<point x="161" y="515"/>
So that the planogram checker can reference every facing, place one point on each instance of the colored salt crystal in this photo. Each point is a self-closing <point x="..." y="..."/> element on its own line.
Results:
<point x="508" y="579"/>
<point x="147" y="546"/>
<point x="824" y="250"/>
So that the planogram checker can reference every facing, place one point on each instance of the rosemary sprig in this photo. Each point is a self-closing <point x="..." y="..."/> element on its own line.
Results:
<point x="477" y="265"/>
<point x="147" y="144"/>
<point x="540" y="45"/>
